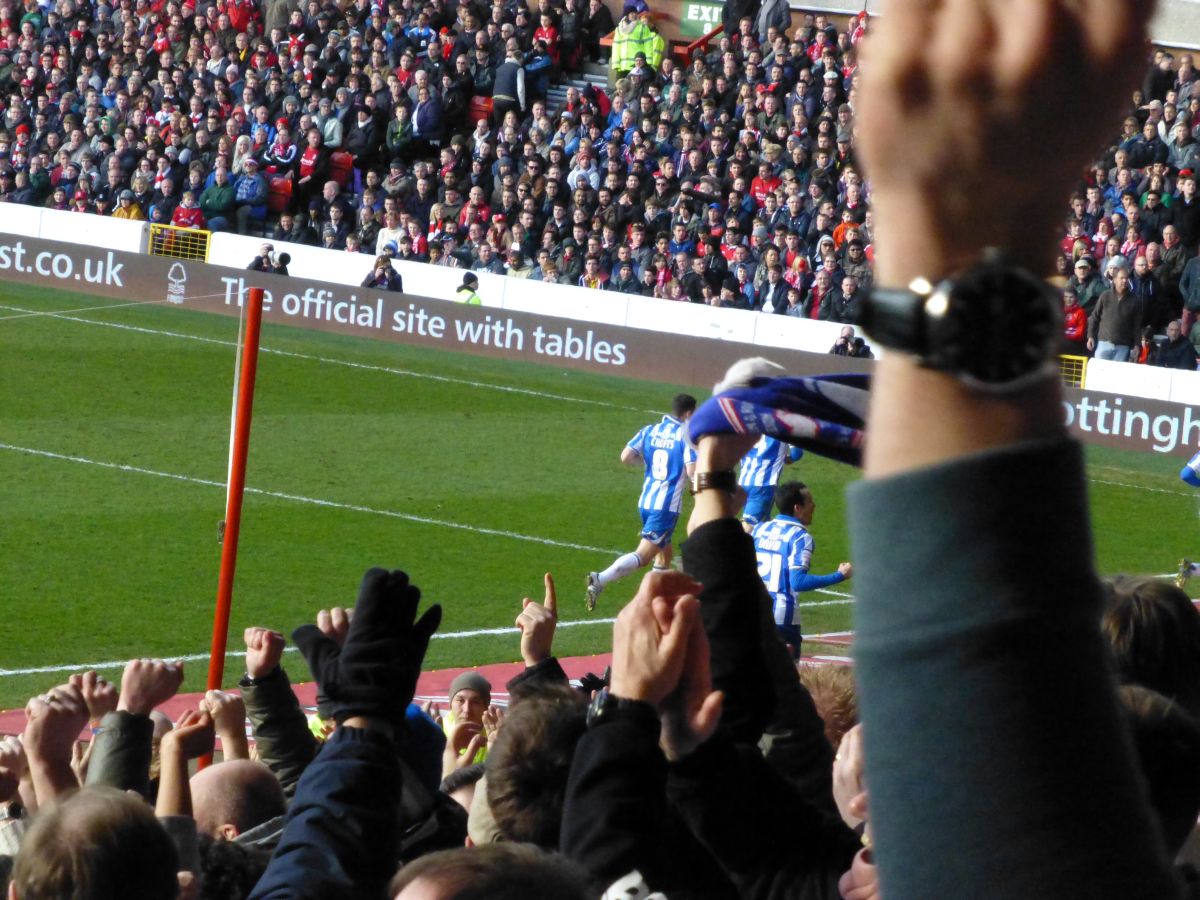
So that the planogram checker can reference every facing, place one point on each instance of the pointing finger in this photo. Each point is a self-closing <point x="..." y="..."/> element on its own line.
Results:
<point x="551" y="602"/>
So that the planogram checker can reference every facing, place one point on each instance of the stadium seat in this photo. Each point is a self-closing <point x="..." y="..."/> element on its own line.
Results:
<point x="341" y="165"/>
<point x="280" y="195"/>
<point x="481" y="108"/>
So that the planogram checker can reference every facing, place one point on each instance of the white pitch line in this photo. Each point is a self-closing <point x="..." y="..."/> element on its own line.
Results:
<point x="61" y="313"/>
<point x="1141" y="487"/>
<point x="405" y="373"/>
<point x="237" y="654"/>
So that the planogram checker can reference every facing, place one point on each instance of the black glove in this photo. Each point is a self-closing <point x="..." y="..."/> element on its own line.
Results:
<point x="375" y="673"/>
<point x="592" y="682"/>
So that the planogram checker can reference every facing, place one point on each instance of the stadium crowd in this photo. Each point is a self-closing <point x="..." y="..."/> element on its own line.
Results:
<point x="995" y="758"/>
<point x="729" y="180"/>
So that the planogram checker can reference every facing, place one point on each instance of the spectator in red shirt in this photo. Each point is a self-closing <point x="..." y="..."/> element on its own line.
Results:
<point x="1074" y="323"/>
<point x="549" y="34"/>
<point x="764" y="183"/>
<point x="187" y="213"/>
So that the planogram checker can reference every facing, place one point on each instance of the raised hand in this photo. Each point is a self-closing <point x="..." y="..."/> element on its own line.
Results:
<point x="536" y="623"/>
<point x="951" y="92"/>
<point x="12" y="755"/>
<point x="648" y="658"/>
<point x="493" y="718"/>
<point x="192" y="736"/>
<point x="228" y="713"/>
<point x="264" y="650"/>
<point x="463" y="744"/>
<point x="99" y="694"/>
<point x="147" y="683"/>
<point x="849" y="789"/>
<point x="53" y="722"/>
<point x="433" y="710"/>
<point x="13" y="764"/>
<point x="691" y="714"/>
<point x="374" y="674"/>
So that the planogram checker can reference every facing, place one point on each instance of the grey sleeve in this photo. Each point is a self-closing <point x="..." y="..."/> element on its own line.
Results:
<point x="998" y="766"/>
<point x="121" y="755"/>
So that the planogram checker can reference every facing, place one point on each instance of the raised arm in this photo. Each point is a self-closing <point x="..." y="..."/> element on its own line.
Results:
<point x="123" y="745"/>
<point x="342" y="832"/>
<point x="285" y="744"/>
<point x="978" y="650"/>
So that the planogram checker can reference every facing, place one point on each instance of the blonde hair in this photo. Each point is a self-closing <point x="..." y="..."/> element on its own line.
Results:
<point x="833" y="693"/>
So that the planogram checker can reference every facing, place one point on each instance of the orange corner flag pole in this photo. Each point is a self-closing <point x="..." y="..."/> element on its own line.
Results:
<point x="237" y="487"/>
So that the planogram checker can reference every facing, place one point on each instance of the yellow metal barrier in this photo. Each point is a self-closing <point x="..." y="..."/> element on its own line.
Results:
<point x="179" y="243"/>
<point x="1073" y="370"/>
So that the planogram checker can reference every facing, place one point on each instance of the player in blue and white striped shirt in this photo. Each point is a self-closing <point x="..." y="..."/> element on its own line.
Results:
<point x="784" y="549"/>
<point x="758" y="475"/>
<point x="662" y="448"/>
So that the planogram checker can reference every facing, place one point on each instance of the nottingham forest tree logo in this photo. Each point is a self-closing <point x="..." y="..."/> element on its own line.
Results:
<point x="176" y="283"/>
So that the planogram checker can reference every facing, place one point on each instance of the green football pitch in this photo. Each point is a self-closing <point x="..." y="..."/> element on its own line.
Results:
<point x="475" y="475"/>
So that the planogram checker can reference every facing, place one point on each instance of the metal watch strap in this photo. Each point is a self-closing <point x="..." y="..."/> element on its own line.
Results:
<point x="723" y="480"/>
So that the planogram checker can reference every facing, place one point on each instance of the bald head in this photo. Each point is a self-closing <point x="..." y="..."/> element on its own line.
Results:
<point x="232" y="797"/>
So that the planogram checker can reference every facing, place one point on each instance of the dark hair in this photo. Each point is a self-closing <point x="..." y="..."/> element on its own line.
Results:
<point x="1153" y="634"/>
<point x="682" y="405"/>
<point x="528" y="765"/>
<point x="229" y="870"/>
<point x="791" y="494"/>
<point x="497" y="872"/>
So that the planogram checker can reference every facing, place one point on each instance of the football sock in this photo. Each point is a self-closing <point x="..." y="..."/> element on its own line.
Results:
<point x="624" y="565"/>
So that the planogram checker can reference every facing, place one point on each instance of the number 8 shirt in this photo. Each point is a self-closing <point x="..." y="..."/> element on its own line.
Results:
<point x="664" y="450"/>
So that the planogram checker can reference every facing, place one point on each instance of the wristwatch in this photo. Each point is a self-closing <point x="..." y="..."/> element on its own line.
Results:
<point x="995" y="326"/>
<point x="605" y="707"/>
<point x="721" y="480"/>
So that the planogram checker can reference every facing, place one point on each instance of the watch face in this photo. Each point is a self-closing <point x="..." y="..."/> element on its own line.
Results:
<point x="996" y="325"/>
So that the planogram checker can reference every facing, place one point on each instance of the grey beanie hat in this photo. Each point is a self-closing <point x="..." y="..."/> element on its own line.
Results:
<point x="472" y="681"/>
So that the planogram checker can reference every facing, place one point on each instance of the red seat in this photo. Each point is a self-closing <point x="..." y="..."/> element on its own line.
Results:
<point x="480" y="108"/>
<point x="279" y="194"/>
<point x="341" y="164"/>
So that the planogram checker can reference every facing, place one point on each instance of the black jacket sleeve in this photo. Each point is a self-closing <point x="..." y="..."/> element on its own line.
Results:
<point x="121" y="754"/>
<point x="764" y="700"/>
<point x="770" y="840"/>
<point x="615" y="806"/>
<point x="341" y="832"/>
